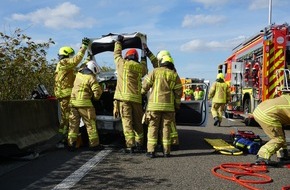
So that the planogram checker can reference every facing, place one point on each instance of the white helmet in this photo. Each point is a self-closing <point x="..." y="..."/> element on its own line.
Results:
<point x="94" y="67"/>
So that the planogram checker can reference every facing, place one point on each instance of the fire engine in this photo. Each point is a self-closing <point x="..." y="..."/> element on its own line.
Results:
<point x="257" y="70"/>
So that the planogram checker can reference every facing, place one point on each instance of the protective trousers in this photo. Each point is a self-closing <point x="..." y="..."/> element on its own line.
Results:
<point x="174" y="133"/>
<point x="64" y="122"/>
<point x="173" y="129"/>
<point x="131" y="116"/>
<point x="159" y="120"/>
<point x="217" y="110"/>
<point x="88" y="114"/>
<point x="277" y="139"/>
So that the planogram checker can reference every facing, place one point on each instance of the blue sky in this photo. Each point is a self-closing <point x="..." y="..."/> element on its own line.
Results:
<point x="200" y="34"/>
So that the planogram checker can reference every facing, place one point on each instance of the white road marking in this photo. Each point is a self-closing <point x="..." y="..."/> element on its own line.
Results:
<point x="76" y="176"/>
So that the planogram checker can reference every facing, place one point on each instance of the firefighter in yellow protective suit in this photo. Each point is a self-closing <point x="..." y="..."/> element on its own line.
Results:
<point x="220" y="94"/>
<point x="163" y="101"/>
<point x="272" y="115"/>
<point x="64" y="78"/>
<point x="198" y="93"/>
<point x="188" y="93"/>
<point x="128" y="94"/>
<point x="155" y="60"/>
<point x="85" y="88"/>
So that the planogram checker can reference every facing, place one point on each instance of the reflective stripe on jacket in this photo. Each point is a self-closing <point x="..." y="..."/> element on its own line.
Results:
<point x="166" y="89"/>
<point x="85" y="87"/>
<point x="129" y="76"/>
<point x="65" y="74"/>
<point x="219" y="93"/>
<point x="274" y="112"/>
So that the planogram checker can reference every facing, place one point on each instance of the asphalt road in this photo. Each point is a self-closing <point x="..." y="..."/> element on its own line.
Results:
<point x="190" y="167"/>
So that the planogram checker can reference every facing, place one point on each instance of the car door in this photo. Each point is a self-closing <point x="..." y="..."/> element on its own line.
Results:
<point x="194" y="112"/>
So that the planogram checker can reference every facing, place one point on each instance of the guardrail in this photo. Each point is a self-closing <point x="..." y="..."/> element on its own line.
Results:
<point x="27" y="123"/>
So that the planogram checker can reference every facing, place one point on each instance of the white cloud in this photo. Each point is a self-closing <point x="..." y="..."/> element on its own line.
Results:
<point x="211" y="3"/>
<point x="196" y="20"/>
<point x="259" y="4"/>
<point x="200" y="45"/>
<point x="66" y="15"/>
<point x="263" y="4"/>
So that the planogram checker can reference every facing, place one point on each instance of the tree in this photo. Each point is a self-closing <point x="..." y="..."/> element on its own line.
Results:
<point x="23" y="66"/>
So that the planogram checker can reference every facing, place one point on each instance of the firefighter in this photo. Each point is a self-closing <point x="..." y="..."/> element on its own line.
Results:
<point x="64" y="78"/>
<point x="220" y="95"/>
<point x="198" y="93"/>
<point x="247" y="73"/>
<point x="188" y="93"/>
<point x="128" y="94"/>
<point x="255" y="74"/>
<point x="85" y="88"/>
<point x="273" y="115"/>
<point x="162" y="103"/>
<point x="155" y="60"/>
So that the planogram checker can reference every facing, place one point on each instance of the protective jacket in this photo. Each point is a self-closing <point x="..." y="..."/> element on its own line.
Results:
<point x="65" y="74"/>
<point x="274" y="112"/>
<point x="188" y="92"/>
<point x="166" y="89"/>
<point x="219" y="92"/>
<point x="129" y="75"/>
<point x="198" y="94"/>
<point x="152" y="58"/>
<point x="85" y="87"/>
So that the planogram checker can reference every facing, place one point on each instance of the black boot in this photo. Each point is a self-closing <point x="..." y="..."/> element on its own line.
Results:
<point x="72" y="148"/>
<point x="128" y="150"/>
<point x="166" y="155"/>
<point x="216" y="121"/>
<point x="139" y="148"/>
<point x="151" y="154"/>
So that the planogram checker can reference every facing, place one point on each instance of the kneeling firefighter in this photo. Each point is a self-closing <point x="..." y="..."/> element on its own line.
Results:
<point x="273" y="115"/>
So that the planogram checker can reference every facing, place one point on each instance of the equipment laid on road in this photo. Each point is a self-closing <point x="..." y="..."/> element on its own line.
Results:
<point x="223" y="147"/>
<point x="257" y="70"/>
<point x="246" y="141"/>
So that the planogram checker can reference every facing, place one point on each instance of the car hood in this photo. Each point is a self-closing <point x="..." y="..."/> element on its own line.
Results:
<point x="106" y="42"/>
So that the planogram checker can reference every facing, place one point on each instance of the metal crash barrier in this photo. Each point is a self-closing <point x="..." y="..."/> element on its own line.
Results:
<point x="26" y="123"/>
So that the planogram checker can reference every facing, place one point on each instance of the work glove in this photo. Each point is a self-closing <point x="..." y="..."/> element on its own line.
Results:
<point x="120" y="38"/>
<point x="85" y="41"/>
<point x="116" y="110"/>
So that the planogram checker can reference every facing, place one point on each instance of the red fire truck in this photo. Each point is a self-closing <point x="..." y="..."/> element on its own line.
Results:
<point x="257" y="70"/>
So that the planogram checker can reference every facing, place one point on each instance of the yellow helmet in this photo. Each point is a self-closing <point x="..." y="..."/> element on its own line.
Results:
<point x="166" y="59"/>
<point x="162" y="53"/>
<point x="66" y="51"/>
<point x="220" y="76"/>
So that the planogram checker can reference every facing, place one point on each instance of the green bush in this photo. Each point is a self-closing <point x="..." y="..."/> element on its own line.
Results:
<point x="23" y="66"/>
